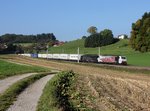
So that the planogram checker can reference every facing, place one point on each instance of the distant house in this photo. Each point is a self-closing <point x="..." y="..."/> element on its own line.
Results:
<point x="58" y="43"/>
<point x="122" y="36"/>
<point x="3" y="46"/>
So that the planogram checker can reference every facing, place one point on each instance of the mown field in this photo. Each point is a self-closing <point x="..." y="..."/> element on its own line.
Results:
<point x="68" y="91"/>
<point x="10" y="69"/>
<point x="120" y="48"/>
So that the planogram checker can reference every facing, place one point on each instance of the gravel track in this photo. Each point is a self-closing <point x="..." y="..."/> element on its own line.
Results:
<point x="28" y="99"/>
<point x="5" y="83"/>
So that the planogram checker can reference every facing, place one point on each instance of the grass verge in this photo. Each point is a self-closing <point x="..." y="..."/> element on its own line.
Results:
<point x="10" y="69"/>
<point x="62" y="94"/>
<point x="7" y="98"/>
<point x="55" y="96"/>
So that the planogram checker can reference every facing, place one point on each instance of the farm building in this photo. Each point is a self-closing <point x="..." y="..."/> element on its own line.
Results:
<point x="122" y="36"/>
<point x="58" y="43"/>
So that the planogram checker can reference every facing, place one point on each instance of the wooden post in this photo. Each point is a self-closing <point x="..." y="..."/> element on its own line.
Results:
<point x="99" y="51"/>
<point x="47" y="51"/>
<point x="78" y="51"/>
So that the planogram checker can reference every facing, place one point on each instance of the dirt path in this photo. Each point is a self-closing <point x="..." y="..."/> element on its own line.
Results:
<point x="28" y="99"/>
<point x="5" y="83"/>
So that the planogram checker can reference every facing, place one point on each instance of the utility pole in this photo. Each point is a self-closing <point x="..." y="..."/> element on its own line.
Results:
<point x="47" y="50"/>
<point x="99" y="51"/>
<point x="78" y="51"/>
<point x="62" y="50"/>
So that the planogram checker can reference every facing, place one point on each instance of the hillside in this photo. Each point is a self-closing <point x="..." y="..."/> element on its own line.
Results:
<point x="120" y="48"/>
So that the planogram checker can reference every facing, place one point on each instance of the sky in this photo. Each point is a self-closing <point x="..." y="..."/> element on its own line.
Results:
<point x="69" y="19"/>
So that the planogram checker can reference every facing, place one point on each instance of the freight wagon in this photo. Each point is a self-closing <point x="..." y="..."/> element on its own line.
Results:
<point x="89" y="58"/>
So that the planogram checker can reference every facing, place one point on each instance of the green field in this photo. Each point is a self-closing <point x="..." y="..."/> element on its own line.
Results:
<point x="10" y="69"/>
<point x="24" y="44"/>
<point x="120" y="48"/>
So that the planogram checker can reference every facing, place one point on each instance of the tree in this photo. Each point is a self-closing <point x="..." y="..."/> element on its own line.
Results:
<point x="125" y="36"/>
<point x="140" y="34"/>
<point x="19" y="49"/>
<point x="92" y="30"/>
<point x="103" y="38"/>
<point x="107" y="37"/>
<point x="40" y="38"/>
<point x="92" y="41"/>
<point x="84" y="37"/>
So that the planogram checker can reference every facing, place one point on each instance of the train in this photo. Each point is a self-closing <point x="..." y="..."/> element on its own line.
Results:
<point x="92" y="58"/>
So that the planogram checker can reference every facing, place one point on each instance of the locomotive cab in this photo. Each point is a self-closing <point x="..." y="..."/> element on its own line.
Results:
<point x="122" y="60"/>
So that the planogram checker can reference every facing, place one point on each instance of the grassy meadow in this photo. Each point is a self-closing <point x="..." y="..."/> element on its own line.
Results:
<point x="120" y="48"/>
<point x="10" y="69"/>
<point x="24" y="44"/>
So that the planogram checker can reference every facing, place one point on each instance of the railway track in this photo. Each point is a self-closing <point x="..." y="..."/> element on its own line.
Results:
<point x="11" y="57"/>
<point x="102" y="64"/>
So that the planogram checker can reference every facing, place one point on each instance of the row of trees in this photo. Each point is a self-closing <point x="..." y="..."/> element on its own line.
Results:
<point x="39" y="42"/>
<point x="10" y="48"/>
<point x="14" y="38"/>
<point x="96" y="39"/>
<point x="16" y="48"/>
<point x="140" y="34"/>
<point x="35" y="48"/>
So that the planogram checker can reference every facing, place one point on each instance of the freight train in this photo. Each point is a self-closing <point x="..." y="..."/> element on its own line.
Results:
<point x="113" y="59"/>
